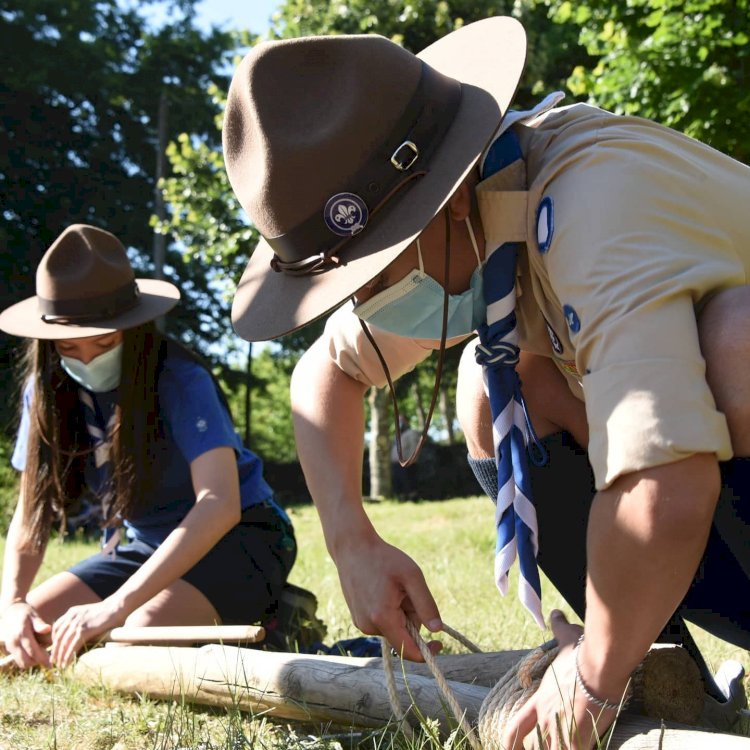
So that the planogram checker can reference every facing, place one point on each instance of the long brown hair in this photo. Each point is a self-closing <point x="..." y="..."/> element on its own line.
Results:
<point x="58" y="442"/>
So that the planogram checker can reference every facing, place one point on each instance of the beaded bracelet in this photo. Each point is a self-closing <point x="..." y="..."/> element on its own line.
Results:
<point x="605" y="705"/>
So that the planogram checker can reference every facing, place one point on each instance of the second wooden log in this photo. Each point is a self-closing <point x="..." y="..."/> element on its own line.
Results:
<point x="328" y="689"/>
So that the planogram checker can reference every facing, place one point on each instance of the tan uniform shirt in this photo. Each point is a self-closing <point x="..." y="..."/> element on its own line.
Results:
<point x="630" y="228"/>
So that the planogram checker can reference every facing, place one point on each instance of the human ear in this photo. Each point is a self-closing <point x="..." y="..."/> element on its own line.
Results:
<point x="459" y="204"/>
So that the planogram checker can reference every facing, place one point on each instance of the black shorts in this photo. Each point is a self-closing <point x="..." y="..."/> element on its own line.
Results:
<point x="718" y="599"/>
<point x="242" y="576"/>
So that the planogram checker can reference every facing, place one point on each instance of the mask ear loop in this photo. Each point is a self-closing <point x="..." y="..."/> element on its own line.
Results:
<point x="441" y="356"/>
<point x="473" y="240"/>
<point x="419" y="257"/>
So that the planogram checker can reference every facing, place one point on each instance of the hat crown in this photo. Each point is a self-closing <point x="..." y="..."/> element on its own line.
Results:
<point x="303" y="115"/>
<point x="83" y="263"/>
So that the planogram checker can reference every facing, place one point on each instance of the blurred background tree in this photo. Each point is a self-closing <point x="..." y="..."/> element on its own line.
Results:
<point x="682" y="63"/>
<point x="80" y="114"/>
<point x="93" y="92"/>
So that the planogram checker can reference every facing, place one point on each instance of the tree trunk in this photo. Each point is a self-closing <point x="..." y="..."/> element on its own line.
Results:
<point x="248" y="395"/>
<point x="380" y="444"/>
<point x="160" y="240"/>
<point x="420" y="406"/>
<point x="446" y="410"/>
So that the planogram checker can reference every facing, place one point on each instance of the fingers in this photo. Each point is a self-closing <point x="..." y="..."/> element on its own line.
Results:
<point x="41" y="628"/>
<point x="27" y="652"/>
<point x="382" y="601"/>
<point x="521" y="725"/>
<point x="39" y="652"/>
<point x="565" y="634"/>
<point x="67" y="638"/>
<point x="25" y="647"/>
<point x="422" y="602"/>
<point x="420" y="608"/>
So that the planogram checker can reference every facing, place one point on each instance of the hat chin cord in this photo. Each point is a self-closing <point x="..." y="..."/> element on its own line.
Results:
<point x="439" y="370"/>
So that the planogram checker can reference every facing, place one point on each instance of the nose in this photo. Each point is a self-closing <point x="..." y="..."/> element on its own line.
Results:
<point x="362" y="294"/>
<point x="83" y="353"/>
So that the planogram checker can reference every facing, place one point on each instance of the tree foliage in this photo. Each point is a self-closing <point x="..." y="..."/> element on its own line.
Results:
<point x="79" y="102"/>
<point x="553" y="49"/>
<point x="683" y="63"/>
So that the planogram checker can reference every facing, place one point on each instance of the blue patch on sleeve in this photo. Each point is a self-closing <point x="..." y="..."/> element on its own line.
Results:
<point x="571" y="318"/>
<point x="545" y="224"/>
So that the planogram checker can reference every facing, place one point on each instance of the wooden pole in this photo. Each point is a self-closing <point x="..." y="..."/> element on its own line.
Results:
<point x="330" y="689"/>
<point x="186" y="635"/>
<point x="179" y="635"/>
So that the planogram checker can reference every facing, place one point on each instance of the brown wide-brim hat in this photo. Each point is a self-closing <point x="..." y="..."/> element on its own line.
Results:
<point x="85" y="286"/>
<point x="342" y="149"/>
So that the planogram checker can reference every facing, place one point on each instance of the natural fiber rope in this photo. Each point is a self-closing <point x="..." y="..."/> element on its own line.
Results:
<point x="510" y="693"/>
<point x="502" y="702"/>
<point x="437" y="673"/>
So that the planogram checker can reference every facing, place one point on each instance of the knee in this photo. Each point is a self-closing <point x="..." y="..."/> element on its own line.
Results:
<point x="472" y="405"/>
<point x="724" y="330"/>
<point x="143" y="617"/>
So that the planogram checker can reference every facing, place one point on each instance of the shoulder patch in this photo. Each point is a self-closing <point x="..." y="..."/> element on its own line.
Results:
<point x="545" y="224"/>
<point x="557" y="346"/>
<point x="571" y="318"/>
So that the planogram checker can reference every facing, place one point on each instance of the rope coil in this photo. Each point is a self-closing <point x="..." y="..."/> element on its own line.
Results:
<point x="502" y="702"/>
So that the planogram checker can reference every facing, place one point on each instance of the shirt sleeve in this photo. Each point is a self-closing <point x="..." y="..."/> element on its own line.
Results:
<point x="193" y="411"/>
<point x="18" y="459"/>
<point x="353" y="353"/>
<point x="629" y="289"/>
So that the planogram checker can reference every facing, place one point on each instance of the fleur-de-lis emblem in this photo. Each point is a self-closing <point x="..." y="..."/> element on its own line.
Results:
<point x="345" y="214"/>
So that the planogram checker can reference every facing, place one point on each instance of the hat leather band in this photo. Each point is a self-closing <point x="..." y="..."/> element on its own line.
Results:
<point x="403" y="157"/>
<point x="81" y="311"/>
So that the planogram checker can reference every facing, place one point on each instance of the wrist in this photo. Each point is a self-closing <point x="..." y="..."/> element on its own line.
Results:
<point x="349" y="532"/>
<point x="120" y="604"/>
<point x="5" y="605"/>
<point x="605" y="689"/>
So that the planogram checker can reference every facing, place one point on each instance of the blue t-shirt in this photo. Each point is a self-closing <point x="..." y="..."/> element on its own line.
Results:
<point x="195" y="421"/>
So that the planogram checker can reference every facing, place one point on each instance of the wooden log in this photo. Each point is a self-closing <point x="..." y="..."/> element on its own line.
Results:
<point x="291" y="686"/>
<point x="328" y="689"/>
<point x="472" y="669"/>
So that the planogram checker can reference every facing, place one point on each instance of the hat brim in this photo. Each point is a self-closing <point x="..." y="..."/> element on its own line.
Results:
<point x="488" y="58"/>
<point x="24" y="319"/>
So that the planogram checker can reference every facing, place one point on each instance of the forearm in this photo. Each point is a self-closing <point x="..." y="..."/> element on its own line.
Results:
<point x="216" y="511"/>
<point x="328" y="413"/>
<point x="646" y="535"/>
<point x="382" y="586"/>
<point x="19" y="566"/>
<point x="206" y="523"/>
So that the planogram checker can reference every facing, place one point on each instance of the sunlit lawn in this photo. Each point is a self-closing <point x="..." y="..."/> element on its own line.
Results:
<point x="452" y="541"/>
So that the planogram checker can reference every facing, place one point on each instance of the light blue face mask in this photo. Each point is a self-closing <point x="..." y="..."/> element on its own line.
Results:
<point x="100" y="375"/>
<point x="413" y="306"/>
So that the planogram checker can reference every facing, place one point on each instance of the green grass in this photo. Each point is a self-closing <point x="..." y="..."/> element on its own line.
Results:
<point x="452" y="541"/>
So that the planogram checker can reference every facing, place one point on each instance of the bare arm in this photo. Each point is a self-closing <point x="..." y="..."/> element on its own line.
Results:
<point x="19" y="566"/>
<point x="646" y="535"/>
<point x="216" y="511"/>
<point x="381" y="584"/>
<point x="21" y="625"/>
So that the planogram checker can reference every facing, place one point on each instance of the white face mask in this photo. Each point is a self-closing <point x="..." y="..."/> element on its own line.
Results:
<point x="101" y="374"/>
<point x="413" y="306"/>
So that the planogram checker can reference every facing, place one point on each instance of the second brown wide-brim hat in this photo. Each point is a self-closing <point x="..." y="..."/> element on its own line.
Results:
<point x="85" y="286"/>
<point x="341" y="149"/>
